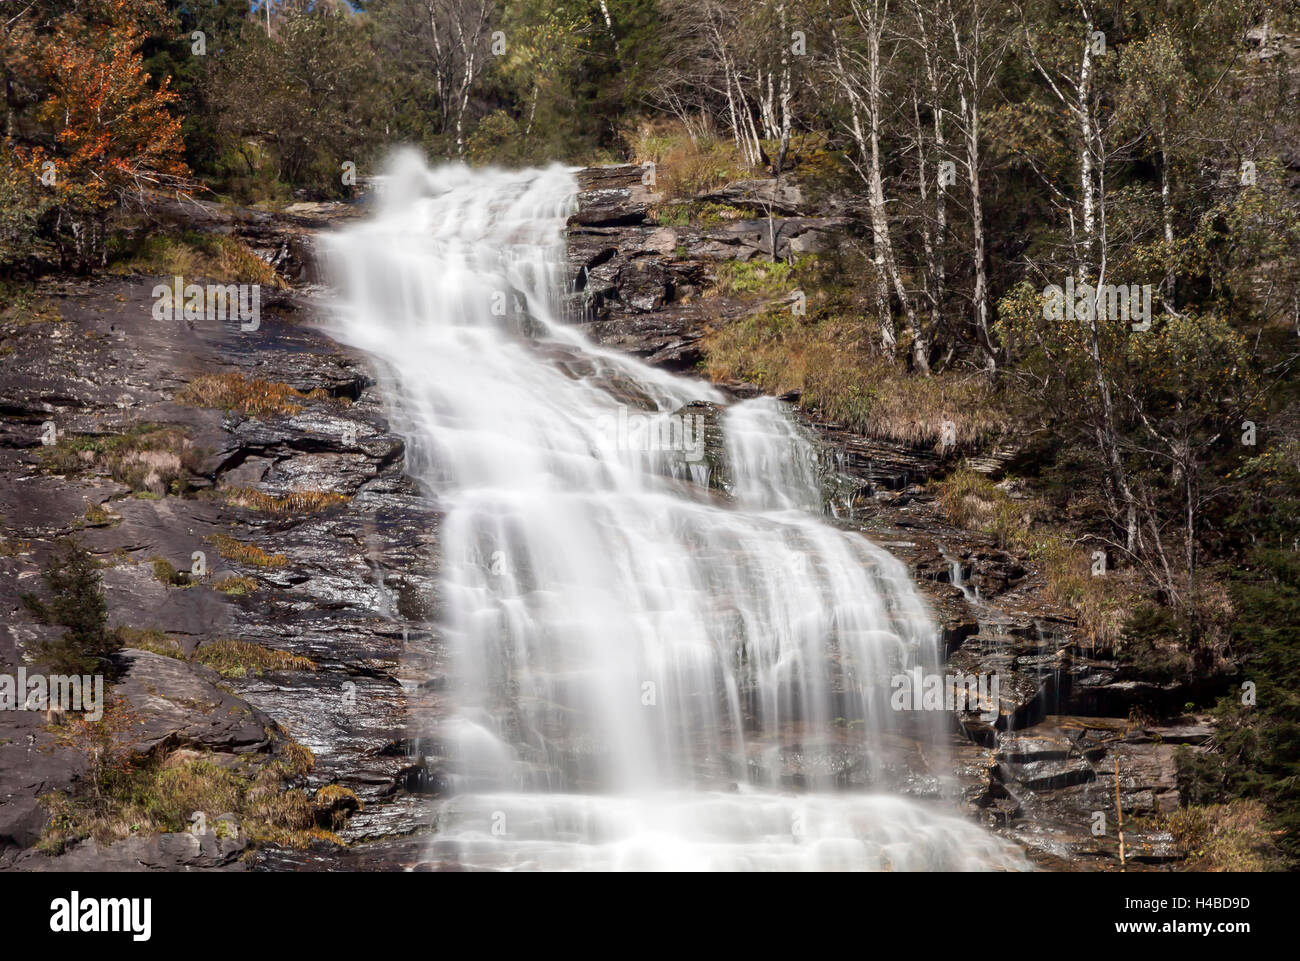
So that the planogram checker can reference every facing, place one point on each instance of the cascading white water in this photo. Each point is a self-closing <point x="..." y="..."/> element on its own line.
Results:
<point x="773" y="466"/>
<point x="643" y="674"/>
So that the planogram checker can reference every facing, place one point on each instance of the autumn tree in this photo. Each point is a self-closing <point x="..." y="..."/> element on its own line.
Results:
<point x="100" y="136"/>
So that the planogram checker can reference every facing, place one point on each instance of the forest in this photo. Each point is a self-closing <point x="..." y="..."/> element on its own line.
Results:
<point x="1075" y="241"/>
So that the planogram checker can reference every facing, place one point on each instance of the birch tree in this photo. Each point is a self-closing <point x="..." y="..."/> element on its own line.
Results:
<point x="859" y="70"/>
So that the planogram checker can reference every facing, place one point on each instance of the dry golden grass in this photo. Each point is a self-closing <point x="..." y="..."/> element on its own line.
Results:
<point x="1226" y="837"/>
<point x="297" y="759"/>
<point x="197" y="256"/>
<point x="295" y="502"/>
<point x="236" y="585"/>
<point x="331" y="793"/>
<point x="684" y="166"/>
<point x="971" y="500"/>
<point x="232" y="658"/>
<point x="233" y="391"/>
<point x="149" y="459"/>
<point x="155" y="796"/>
<point x="1100" y="604"/>
<point x="250" y="554"/>
<point x="830" y="363"/>
<point x="333" y="804"/>
<point x="124" y="794"/>
<point x="152" y="640"/>
<point x="293" y="837"/>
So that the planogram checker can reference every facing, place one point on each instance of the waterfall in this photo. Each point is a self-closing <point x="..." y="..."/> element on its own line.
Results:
<point x="772" y="464"/>
<point x="646" y="674"/>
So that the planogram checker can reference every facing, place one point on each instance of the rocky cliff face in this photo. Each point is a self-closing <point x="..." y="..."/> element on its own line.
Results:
<point x="333" y="554"/>
<point x="339" y="586"/>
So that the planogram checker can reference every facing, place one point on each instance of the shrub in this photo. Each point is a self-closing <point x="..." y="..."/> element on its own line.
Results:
<point x="694" y="213"/>
<point x="162" y="794"/>
<point x="825" y="360"/>
<point x="76" y="602"/>
<point x="96" y="516"/>
<point x="685" y="165"/>
<point x="23" y="209"/>
<point x="754" y="277"/>
<point x="971" y="500"/>
<point x="166" y="573"/>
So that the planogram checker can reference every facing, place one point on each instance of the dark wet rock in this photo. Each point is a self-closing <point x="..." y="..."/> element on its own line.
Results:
<point x="1108" y="692"/>
<point x="762" y="196"/>
<point x="1048" y="773"/>
<point x="635" y="285"/>
<point x="159" y="852"/>
<point x="31" y="765"/>
<point x="1192" y="731"/>
<point x="998" y="805"/>
<point x="349" y="584"/>
<point x="405" y="853"/>
<point x="175" y="703"/>
<point x="714" y="461"/>
<point x="1023" y="749"/>
<point x="810" y="765"/>
<point x="613" y="196"/>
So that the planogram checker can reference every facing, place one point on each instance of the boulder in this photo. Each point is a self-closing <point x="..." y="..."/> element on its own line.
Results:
<point x="174" y="703"/>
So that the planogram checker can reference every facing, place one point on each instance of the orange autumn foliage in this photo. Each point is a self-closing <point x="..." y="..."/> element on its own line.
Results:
<point x="113" y="134"/>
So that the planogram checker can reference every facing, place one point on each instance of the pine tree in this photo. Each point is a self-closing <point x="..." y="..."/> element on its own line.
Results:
<point x="76" y="602"/>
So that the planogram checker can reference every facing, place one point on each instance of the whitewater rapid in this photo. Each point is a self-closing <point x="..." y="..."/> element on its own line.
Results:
<point x="646" y="674"/>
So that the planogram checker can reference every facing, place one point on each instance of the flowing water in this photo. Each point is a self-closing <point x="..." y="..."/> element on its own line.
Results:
<point x="646" y="674"/>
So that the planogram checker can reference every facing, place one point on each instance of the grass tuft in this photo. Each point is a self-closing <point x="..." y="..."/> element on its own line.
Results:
<point x="333" y="804"/>
<point x="235" y="585"/>
<point x="152" y="640"/>
<point x="687" y="166"/>
<point x="232" y="391"/>
<point x="149" y="459"/>
<point x="197" y="256"/>
<point x="232" y="658"/>
<point x="250" y="554"/>
<point x="694" y="213"/>
<point x="166" y="573"/>
<point x="295" y="502"/>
